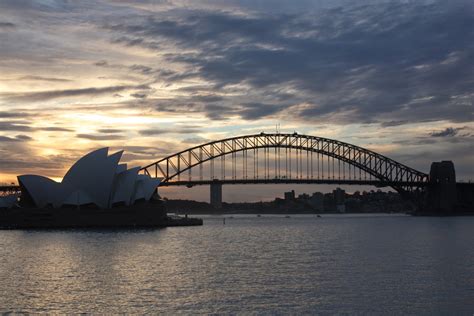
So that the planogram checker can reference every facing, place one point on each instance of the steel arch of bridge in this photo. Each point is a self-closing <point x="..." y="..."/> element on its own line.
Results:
<point x="387" y="172"/>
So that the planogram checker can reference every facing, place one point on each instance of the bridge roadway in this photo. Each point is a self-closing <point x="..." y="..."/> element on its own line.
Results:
<point x="376" y="183"/>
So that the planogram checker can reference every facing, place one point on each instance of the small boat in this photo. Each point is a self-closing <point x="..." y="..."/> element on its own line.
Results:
<point x="318" y="215"/>
<point x="259" y="215"/>
<point x="287" y="216"/>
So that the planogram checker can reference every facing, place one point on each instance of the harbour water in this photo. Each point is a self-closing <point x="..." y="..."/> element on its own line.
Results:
<point x="362" y="264"/>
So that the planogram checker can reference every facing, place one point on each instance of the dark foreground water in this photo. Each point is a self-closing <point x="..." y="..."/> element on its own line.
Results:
<point x="298" y="265"/>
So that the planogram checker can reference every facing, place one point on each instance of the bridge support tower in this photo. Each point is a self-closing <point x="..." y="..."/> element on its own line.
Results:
<point x="216" y="194"/>
<point x="442" y="193"/>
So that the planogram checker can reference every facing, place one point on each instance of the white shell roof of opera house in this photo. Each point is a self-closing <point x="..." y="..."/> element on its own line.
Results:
<point x="96" y="178"/>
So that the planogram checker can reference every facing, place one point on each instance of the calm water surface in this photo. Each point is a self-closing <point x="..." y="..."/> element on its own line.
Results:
<point x="271" y="264"/>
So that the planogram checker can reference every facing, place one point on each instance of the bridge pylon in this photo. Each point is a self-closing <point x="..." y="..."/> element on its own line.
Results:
<point x="442" y="192"/>
<point x="216" y="194"/>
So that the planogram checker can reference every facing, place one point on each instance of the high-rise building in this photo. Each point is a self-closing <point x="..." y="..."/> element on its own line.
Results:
<point x="340" y="199"/>
<point x="290" y="196"/>
<point x="317" y="201"/>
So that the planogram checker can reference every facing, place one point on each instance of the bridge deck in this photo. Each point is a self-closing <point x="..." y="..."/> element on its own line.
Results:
<point x="376" y="183"/>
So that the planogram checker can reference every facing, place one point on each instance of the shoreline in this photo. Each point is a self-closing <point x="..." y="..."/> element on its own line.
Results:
<point x="415" y="214"/>
<point x="143" y="216"/>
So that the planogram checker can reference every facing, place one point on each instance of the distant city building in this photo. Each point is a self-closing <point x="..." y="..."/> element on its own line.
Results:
<point x="95" y="179"/>
<point x="340" y="199"/>
<point x="339" y="196"/>
<point x="317" y="201"/>
<point x="303" y="196"/>
<point x="290" y="196"/>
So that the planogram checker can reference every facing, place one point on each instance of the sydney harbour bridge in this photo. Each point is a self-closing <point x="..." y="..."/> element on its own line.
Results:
<point x="283" y="158"/>
<point x="277" y="158"/>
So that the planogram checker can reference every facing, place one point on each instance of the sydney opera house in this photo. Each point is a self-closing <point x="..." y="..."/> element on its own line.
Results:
<point x="96" y="180"/>
<point x="96" y="192"/>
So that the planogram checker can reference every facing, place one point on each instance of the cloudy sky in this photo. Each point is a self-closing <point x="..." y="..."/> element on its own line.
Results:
<point x="155" y="77"/>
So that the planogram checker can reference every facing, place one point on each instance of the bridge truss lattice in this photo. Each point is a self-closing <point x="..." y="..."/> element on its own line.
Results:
<point x="284" y="158"/>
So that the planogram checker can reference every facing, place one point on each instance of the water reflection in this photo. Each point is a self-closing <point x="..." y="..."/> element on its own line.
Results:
<point x="273" y="264"/>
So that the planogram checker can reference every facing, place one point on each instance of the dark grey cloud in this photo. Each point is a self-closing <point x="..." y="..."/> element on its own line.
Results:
<point x="13" y="126"/>
<point x="22" y="126"/>
<point x="158" y="72"/>
<point x="23" y="137"/>
<point x="159" y="131"/>
<point x="394" y="123"/>
<point x="102" y="63"/>
<point x="218" y="111"/>
<point x="195" y="140"/>
<point x="388" y="62"/>
<point x="213" y="106"/>
<point x="100" y="137"/>
<point x="143" y="150"/>
<point x="55" y="129"/>
<point x="41" y="78"/>
<point x="246" y="111"/>
<point x="139" y="95"/>
<point x="55" y="94"/>
<point x="7" y="139"/>
<point x="148" y="154"/>
<point x="255" y="111"/>
<point x="110" y="130"/>
<point x="447" y="132"/>
<point x="13" y="114"/>
<point x="153" y="132"/>
<point x="36" y="78"/>
<point x="207" y="98"/>
<point x="7" y="25"/>
<point x="17" y="138"/>
<point x="142" y="69"/>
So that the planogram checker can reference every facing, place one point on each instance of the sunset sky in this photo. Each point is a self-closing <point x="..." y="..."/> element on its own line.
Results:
<point x="156" y="77"/>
